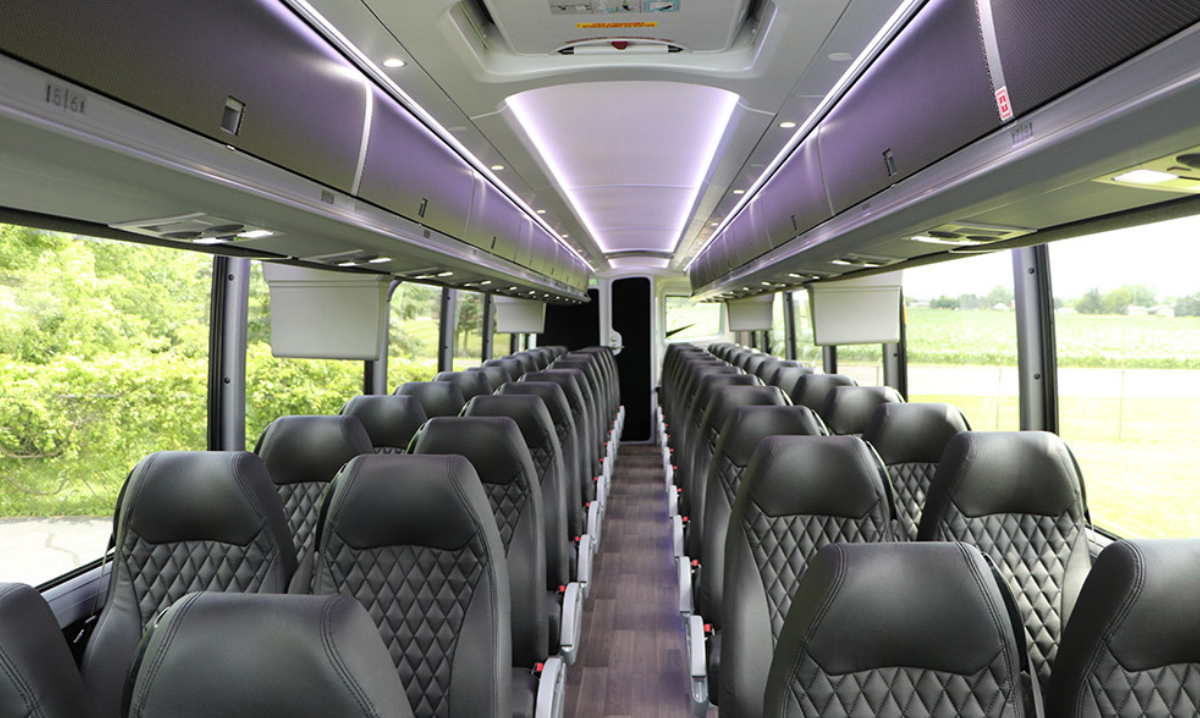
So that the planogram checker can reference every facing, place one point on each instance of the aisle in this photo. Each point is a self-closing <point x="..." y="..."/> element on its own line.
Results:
<point x="631" y="662"/>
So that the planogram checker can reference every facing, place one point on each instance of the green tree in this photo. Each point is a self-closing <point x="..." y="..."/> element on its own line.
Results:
<point x="1188" y="306"/>
<point x="1090" y="303"/>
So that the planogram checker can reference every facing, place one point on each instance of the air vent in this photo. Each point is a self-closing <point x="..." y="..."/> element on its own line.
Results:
<point x="1178" y="172"/>
<point x="969" y="234"/>
<point x="197" y="228"/>
<point x="231" y="117"/>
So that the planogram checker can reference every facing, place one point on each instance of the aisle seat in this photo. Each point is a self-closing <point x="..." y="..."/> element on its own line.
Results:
<point x="389" y="419"/>
<point x="438" y="398"/>
<point x="38" y="676"/>
<point x="848" y="409"/>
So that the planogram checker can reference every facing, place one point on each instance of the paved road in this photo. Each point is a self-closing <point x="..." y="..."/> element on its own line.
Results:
<point x="37" y="550"/>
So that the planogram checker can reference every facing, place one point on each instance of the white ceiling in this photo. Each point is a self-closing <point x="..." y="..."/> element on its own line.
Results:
<point x="612" y="145"/>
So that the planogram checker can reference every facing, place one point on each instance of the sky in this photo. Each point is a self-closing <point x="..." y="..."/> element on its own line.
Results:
<point x="1163" y="256"/>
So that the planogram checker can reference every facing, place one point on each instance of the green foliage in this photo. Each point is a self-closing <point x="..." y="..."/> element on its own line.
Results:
<point x="1188" y="306"/>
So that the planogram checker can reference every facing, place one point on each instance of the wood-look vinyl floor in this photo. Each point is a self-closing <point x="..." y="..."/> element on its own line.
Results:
<point x="632" y="658"/>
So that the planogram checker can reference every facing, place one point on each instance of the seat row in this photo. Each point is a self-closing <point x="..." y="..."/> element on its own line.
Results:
<point x="463" y="542"/>
<point x="778" y="490"/>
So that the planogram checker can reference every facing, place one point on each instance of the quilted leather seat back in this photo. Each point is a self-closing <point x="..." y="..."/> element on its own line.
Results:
<point x="589" y="378"/>
<point x="798" y="494"/>
<point x="413" y="539"/>
<point x="1018" y="497"/>
<point x="495" y="447"/>
<point x="848" y="409"/>
<point x="897" y="631"/>
<point x="243" y="656"/>
<point x="811" y="389"/>
<point x="513" y="366"/>
<point x="561" y="416"/>
<point x="607" y="365"/>
<point x="689" y="371"/>
<point x="910" y="438"/>
<point x="704" y="445"/>
<point x="186" y="521"/>
<point x="390" y="420"/>
<point x="1132" y="647"/>
<point x="303" y="454"/>
<point x="495" y="372"/>
<point x="752" y="362"/>
<point x="691" y="435"/>
<point x="541" y="439"/>
<point x="528" y="363"/>
<point x="38" y="677"/>
<point x="785" y="376"/>
<point x="743" y="430"/>
<point x="570" y="383"/>
<point x="439" y="398"/>
<point x="767" y="368"/>
<point x="470" y="383"/>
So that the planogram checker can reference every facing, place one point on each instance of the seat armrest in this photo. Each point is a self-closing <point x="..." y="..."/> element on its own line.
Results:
<point x="593" y="523"/>
<point x="551" y="693"/>
<point x="672" y="500"/>
<point x="677" y="537"/>
<point x="698" y="665"/>
<point x="554" y="619"/>
<point x="685" y="586"/>
<point x="572" y="622"/>
<point x="583" y="564"/>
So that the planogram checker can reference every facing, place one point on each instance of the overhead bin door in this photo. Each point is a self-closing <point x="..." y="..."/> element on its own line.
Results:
<point x="302" y="104"/>
<point x="411" y="172"/>
<point x="926" y="96"/>
<point x="794" y="200"/>
<point x="1047" y="48"/>
<point x="495" y="222"/>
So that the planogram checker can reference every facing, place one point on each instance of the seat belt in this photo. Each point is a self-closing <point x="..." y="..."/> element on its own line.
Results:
<point x="1033" y="689"/>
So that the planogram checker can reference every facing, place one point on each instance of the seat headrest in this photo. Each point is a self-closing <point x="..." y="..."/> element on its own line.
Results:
<point x="513" y="366"/>
<point x="707" y="385"/>
<point x="390" y="420"/>
<point x="496" y="373"/>
<point x="264" y="656"/>
<point x="746" y="426"/>
<point x="307" y="449"/>
<point x="551" y="394"/>
<point x="727" y="398"/>
<point x="528" y="362"/>
<point x="403" y="500"/>
<point x="1141" y="598"/>
<point x="913" y="433"/>
<point x="566" y="379"/>
<point x="824" y="475"/>
<point x="848" y="409"/>
<point x="471" y="383"/>
<point x="811" y="389"/>
<point x="932" y="606"/>
<point x="440" y="398"/>
<point x="493" y="444"/>
<point x="528" y="410"/>
<point x="578" y="375"/>
<point x="785" y="376"/>
<point x="753" y="362"/>
<point x="1009" y="472"/>
<point x="222" y="496"/>
<point x="39" y="677"/>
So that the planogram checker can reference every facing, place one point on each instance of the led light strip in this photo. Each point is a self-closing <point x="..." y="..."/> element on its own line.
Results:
<point x="886" y="34"/>
<point x="368" y="66"/>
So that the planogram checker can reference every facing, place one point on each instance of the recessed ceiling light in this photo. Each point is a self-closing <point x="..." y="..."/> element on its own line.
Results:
<point x="497" y="168"/>
<point x="1145" y="177"/>
<point x="841" y="56"/>
<point x="485" y="282"/>
<point x="256" y="234"/>
<point x="565" y="236"/>
<point x="739" y="191"/>
<point x="541" y="211"/>
<point x="380" y="260"/>
<point x="210" y="240"/>
<point x="714" y="224"/>
<point x="445" y="274"/>
<point x="512" y="289"/>
<point x="394" y="62"/>
<point x="347" y="264"/>
<point x="842" y="263"/>
<point x="787" y="125"/>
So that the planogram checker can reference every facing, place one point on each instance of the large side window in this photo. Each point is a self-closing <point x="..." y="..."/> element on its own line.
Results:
<point x="962" y="338"/>
<point x="103" y="360"/>
<point x="416" y="314"/>
<point x="277" y="386"/>
<point x="1127" y="326"/>
<point x="864" y="362"/>
<point x="688" y="320"/>
<point x="468" y="332"/>
<point x="806" y="351"/>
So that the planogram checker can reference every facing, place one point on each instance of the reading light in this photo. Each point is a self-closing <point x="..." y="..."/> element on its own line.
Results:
<point x="394" y="62"/>
<point x="842" y="263"/>
<point x="445" y="274"/>
<point x="787" y="125"/>
<point x="209" y="240"/>
<point x="935" y="240"/>
<point x="256" y="234"/>
<point x="541" y="211"/>
<point x="739" y="191"/>
<point x="347" y="264"/>
<point x="1145" y="177"/>
<point x="564" y="236"/>
<point x="485" y="282"/>
<point x="714" y="224"/>
<point x="498" y="168"/>
<point x="380" y="260"/>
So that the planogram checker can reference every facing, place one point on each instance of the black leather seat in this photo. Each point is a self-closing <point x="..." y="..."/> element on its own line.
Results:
<point x="528" y="362"/>
<point x="495" y="372"/>
<point x="414" y="540"/>
<point x="439" y="398"/>
<point x="389" y="420"/>
<point x="470" y="383"/>
<point x="1018" y="496"/>
<point x="589" y="384"/>
<point x="787" y="374"/>
<point x="242" y="656"/>
<point x="753" y="361"/>
<point x="511" y="364"/>
<point x="302" y="455"/>
<point x="689" y="435"/>
<point x="910" y="438"/>
<point x="848" y="409"/>
<point x="702" y="433"/>
<point x="798" y="494"/>
<point x="811" y="389"/>
<point x="897" y="631"/>
<point x="569" y="381"/>
<point x="495" y="447"/>
<point x="1132" y="646"/>
<point x="38" y="677"/>
<point x="186" y="521"/>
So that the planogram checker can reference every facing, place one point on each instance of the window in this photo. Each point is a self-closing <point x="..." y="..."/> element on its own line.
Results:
<point x="864" y="362"/>
<point x="806" y="351"/>
<point x="688" y="320"/>
<point x="962" y="338"/>
<point x="468" y="334"/>
<point x="277" y="386"/>
<point x="413" y="333"/>
<point x="1127" y="324"/>
<point x="103" y="360"/>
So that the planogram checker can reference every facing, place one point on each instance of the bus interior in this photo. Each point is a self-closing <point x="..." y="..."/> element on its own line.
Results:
<point x="600" y="358"/>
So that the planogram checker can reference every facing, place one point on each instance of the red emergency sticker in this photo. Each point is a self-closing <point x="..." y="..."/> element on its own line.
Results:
<point x="1003" y="104"/>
